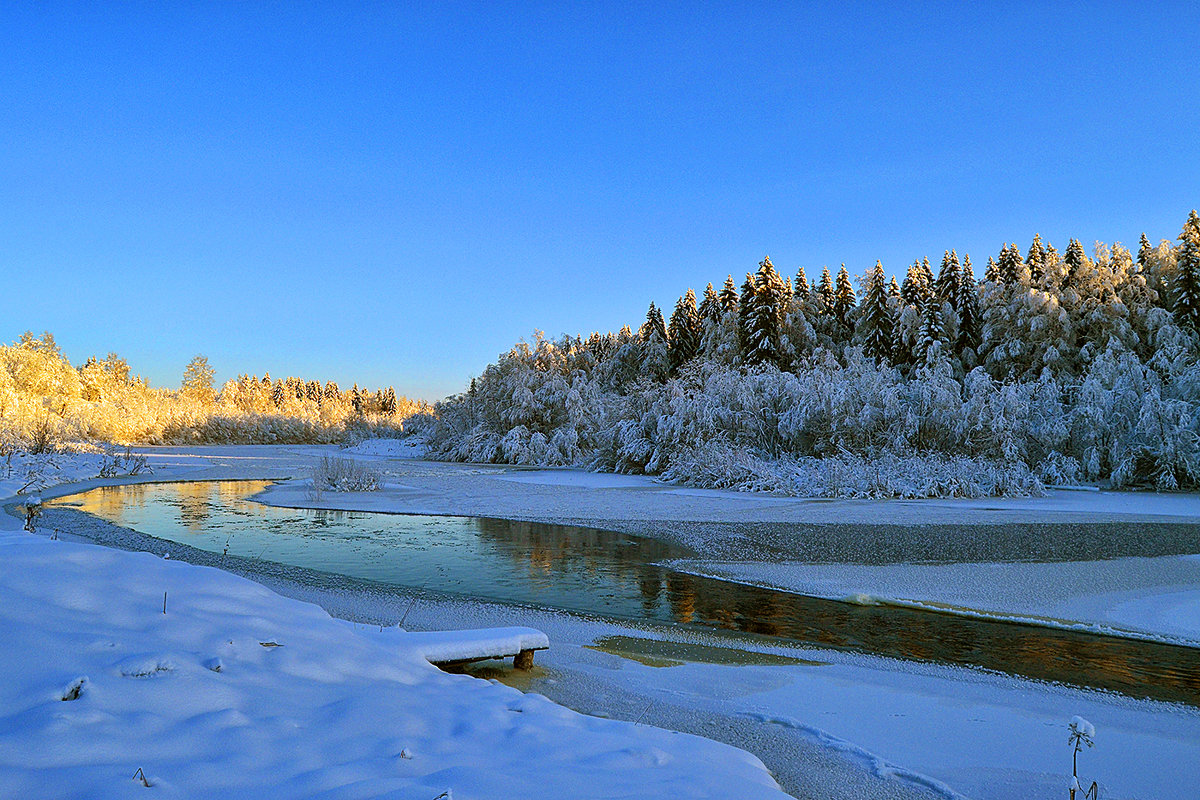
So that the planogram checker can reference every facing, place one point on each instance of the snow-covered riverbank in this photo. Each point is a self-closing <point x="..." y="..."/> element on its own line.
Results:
<point x="236" y="689"/>
<point x="906" y="730"/>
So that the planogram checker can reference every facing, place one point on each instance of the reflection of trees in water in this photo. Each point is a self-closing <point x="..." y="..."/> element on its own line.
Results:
<point x="1162" y="671"/>
<point x="195" y="504"/>
<point x="544" y="550"/>
<point x="1137" y="668"/>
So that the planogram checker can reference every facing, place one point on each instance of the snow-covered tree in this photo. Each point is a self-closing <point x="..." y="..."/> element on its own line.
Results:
<point x="684" y="333"/>
<point x="875" y="320"/>
<point x="1187" y="274"/>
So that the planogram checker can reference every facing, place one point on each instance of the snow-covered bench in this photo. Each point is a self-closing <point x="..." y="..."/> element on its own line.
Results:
<point x="455" y="648"/>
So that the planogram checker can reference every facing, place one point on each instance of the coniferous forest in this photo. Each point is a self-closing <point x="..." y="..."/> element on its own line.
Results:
<point x="1048" y="368"/>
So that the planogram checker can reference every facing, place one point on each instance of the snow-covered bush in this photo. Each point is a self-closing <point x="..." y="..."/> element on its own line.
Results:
<point x="344" y="475"/>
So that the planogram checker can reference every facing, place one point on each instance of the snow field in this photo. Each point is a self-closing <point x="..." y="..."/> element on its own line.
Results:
<point x="237" y="689"/>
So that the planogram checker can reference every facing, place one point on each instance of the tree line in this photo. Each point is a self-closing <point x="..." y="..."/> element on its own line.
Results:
<point x="1050" y="368"/>
<point x="42" y="395"/>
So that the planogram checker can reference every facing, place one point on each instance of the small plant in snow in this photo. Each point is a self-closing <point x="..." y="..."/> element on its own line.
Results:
<point x="1082" y="733"/>
<point x="344" y="475"/>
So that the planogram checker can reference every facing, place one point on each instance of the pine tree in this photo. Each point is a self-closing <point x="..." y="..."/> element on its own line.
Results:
<point x="946" y="288"/>
<point x="1187" y="275"/>
<point x="684" y="338"/>
<point x="844" y="303"/>
<point x="729" y="295"/>
<point x="876" y="316"/>
<point x="1036" y="260"/>
<point x="893" y="288"/>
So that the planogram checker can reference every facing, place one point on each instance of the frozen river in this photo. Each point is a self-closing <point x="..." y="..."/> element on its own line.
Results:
<point x="618" y="576"/>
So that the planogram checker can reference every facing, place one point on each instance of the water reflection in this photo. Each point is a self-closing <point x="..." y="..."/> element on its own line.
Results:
<point x="607" y="573"/>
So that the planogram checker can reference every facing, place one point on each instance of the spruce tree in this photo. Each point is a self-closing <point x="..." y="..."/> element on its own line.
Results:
<point x="930" y="337"/>
<point x="876" y="316"/>
<point x="654" y="324"/>
<point x="766" y="321"/>
<point x="910" y="291"/>
<point x="1036" y="260"/>
<point x="893" y="288"/>
<point x="800" y="285"/>
<point x="969" y="318"/>
<point x="991" y="273"/>
<point x="946" y="288"/>
<point x="1144" y="251"/>
<point x="825" y="291"/>
<point x="844" y="303"/>
<point x="684" y="338"/>
<point x="1187" y="274"/>
<point x="1011" y="265"/>
<point x="927" y="279"/>
<point x="729" y="295"/>
<point x="746" y="311"/>
<point x="710" y="306"/>
<point x="1076" y="262"/>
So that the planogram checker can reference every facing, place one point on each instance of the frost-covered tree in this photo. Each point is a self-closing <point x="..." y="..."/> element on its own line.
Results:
<point x="198" y="381"/>
<point x="931" y="334"/>
<point x="875" y="319"/>
<point x="800" y="288"/>
<point x="946" y="287"/>
<point x="1011" y="266"/>
<point x="746" y="311"/>
<point x="710" y="306"/>
<point x="1076" y="263"/>
<point x="729" y="295"/>
<point x="844" y="305"/>
<point x="969" y="320"/>
<point x="1036" y="260"/>
<point x="767" y="317"/>
<point x="684" y="333"/>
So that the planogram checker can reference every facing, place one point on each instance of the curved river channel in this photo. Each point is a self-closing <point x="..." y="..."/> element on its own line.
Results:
<point x="617" y="575"/>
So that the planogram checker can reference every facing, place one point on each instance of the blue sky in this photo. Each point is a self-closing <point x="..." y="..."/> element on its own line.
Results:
<point x="392" y="194"/>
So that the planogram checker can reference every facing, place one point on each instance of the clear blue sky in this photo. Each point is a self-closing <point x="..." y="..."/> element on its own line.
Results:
<point x="392" y="194"/>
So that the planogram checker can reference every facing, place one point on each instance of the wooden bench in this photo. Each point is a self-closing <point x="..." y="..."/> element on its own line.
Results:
<point x="451" y="649"/>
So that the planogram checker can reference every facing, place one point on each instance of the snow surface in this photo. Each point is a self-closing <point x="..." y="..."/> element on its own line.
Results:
<point x="322" y="714"/>
<point x="1146" y="597"/>
<point x="408" y="447"/>
<point x="236" y="689"/>
<point x="574" y="477"/>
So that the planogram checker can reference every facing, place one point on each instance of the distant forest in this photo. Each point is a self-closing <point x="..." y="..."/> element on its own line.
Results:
<point x="1053" y="368"/>
<point x="46" y="402"/>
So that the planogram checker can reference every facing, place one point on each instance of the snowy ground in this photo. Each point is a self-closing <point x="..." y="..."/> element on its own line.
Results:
<point x="850" y="727"/>
<point x="236" y="688"/>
